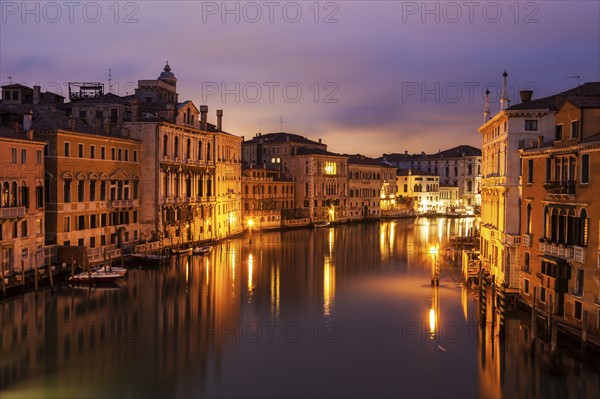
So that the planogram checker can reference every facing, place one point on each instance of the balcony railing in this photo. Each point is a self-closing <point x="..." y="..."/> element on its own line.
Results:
<point x="579" y="254"/>
<point x="120" y="203"/>
<point x="527" y="240"/>
<point x="13" y="212"/>
<point x="560" y="187"/>
<point x="576" y="292"/>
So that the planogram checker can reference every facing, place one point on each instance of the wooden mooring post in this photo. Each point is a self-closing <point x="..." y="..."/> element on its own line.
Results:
<point x="533" y="322"/>
<point x="50" y="275"/>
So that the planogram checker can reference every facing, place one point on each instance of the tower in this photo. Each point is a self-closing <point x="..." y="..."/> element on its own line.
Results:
<point x="504" y="99"/>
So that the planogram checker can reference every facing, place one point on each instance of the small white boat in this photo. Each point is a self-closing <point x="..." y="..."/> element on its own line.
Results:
<point x="94" y="277"/>
<point x="323" y="224"/>
<point x="107" y="269"/>
<point x="203" y="250"/>
<point x="150" y="257"/>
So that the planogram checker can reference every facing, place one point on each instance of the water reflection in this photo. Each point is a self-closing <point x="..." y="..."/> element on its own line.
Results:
<point x="346" y="311"/>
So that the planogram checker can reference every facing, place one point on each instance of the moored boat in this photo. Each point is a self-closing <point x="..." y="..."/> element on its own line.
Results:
<point x="94" y="277"/>
<point x="323" y="224"/>
<point x="112" y="269"/>
<point x="182" y="251"/>
<point x="203" y="250"/>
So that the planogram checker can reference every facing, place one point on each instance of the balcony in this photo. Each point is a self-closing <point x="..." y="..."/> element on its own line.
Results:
<point x="559" y="285"/>
<point x="578" y="254"/>
<point x="511" y="239"/>
<point x="120" y="203"/>
<point x="560" y="187"/>
<point x="527" y="239"/>
<point x="578" y="292"/>
<point x="12" y="212"/>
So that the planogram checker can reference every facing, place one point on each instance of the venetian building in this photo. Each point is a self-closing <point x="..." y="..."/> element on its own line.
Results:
<point x="502" y="136"/>
<point x="560" y="213"/>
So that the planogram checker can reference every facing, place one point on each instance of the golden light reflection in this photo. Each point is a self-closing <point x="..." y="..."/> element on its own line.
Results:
<point x="440" y="229"/>
<point x="464" y="301"/>
<point x="187" y="274"/>
<point x="206" y="271"/>
<point x="331" y="240"/>
<point x="328" y="286"/>
<point x="434" y="311"/>
<point x="275" y="292"/>
<point x="250" y="276"/>
<point x="432" y="321"/>
<point x="392" y="236"/>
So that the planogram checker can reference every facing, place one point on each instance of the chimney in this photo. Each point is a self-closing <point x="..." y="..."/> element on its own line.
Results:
<point x="72" y="124"/>
<point x="27" y="120"/>
<point x="526" y="95"/>
<point x="540" y="141"/>
<point x="219" y="119"/>
<point x="135" y="109"/>
<point x="36" y="94"/>
<point x="320" y="141"/>
<point x="203" y="117"/>
<point x="405" y="152"/>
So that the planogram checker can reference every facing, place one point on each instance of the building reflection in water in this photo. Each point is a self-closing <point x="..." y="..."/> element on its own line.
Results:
<point x="180" y="330"/>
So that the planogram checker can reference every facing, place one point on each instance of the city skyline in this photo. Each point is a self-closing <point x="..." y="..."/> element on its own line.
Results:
<point x="413" y="80"/>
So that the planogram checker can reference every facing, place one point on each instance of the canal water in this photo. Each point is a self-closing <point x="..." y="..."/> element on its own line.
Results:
<point x="342" y="311"/>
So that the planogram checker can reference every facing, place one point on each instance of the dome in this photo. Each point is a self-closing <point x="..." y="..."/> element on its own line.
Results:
<point x="168" y="76"/>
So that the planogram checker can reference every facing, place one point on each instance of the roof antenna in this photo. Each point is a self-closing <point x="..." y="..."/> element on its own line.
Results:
<point x="9" y="80"/>
<point x="578" y="83"/>
<point x="109" y="81"/>
<point x="281" y="124"/>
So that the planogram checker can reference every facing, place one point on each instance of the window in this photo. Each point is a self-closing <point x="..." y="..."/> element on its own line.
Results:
<point x="165" y="145"/>
<point x="40" y="226"/>
<point x="38" y="157"/>
<point x="13" y="152"/>
<point x="530" y="171"/>
<point x="558" y="132"/>
<point x="585" y="168"/>
<point x="24" y="228"/>
<point x="93" y="151"/>
<point x="120" y="154"/>
<point x="99" y="115"/>
<point x="23" y="156"/>
<point x="103" y="220"/>
<point x="114" y="114"/>
<point x="548" y="169"/>
<point x="67" y="191"/>
<point x="81" y="222"/>
<point x="80" y="151"/>
<point x="67" y="150"/>
<point x="80" y="191"/>
<point x="526" y="265"/>
<point x="39" y="196"/>
<point x="126" y="155"/>
<point x="102" y="152"/>
<point x="526" y="286"/>
<point x="93" y="221"/>
<point x="103" y="240"/>
<point x="531" y="124"/>
<point x="135" y="156"/>
<point x="103" y="190"/>
<point x="25" y="196"/>
<point x="67" y="223"/>
<point x="92" y="190"/>
<point x="543" y="294"/>
<point x="92" y="242"/>
<point x="578" y="310"/>
<point x="113" y="154"/>
<point x="82" y="114"/>
<point x="574" y="129"/>
<point x="80" y="242"/>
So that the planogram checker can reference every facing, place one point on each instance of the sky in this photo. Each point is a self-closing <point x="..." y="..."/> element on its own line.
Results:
<point x="368" y="77"/>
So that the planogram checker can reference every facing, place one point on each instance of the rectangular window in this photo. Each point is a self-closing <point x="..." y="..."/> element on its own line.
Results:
<point x="99" y="115"/>
<point x="530" y="171"/>
<point x="38" y="157"/>
<point x="120" y="154"/>
<point x="526" y="286"/>
<point x="574" y="129"/>
<point x="542" y="295"/>
<point x="80" y="242"/>
<point x="80" y="151"/>
<point x="92" y="190"/>
<point x="585" y="168"/>
<point x="102" y="240"/>
<point x="126" y="155"/>
<point x="103" y="220"/>
<point x="67" y="191"/>
<point x="67" y="152"/>
<point x="103" y="190"/>
<point x="23" y="156"/>
<point x="80" y="190"/>
<point x="93" y="224"/>
<point x="40" y="226"/>
<point x="39" y="196"/>
<point x="113" y="153"/>
<point x="24" y="228"/>
<point x="82" y="114"/>
<point x="531" y="124"/>
<point x="92" y="242"/>
<point x="135" y="216"/>
<point x="102" y="152"/>
<point x="81" y="222"/>
<point x="526" y="265"/>
<point x="114" y="115"/>
<point x="135" y="156"/>
<point x="13" y="153"/>
<point x="558" y="133"/>
<point x="578" y="310"/>
<point x="548" y="169"/>
<point x="67" y="223"/>
<point x="93" y="151"/>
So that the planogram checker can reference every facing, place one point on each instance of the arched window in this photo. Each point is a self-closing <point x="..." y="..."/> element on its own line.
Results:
<point x="5" y="194"/>
<point x="455" y="171"/>
<point x="177" y="179"/>
<point x="199" y="149"/>
<point x="208" y="151"/>
<point x="188" y="149"/>
<point x="165" y="145"/>
<point x="470" y="169"/>
<point x="469" y="186"/>
<point x="176" y="147"/>
<point x="13" y="194"/>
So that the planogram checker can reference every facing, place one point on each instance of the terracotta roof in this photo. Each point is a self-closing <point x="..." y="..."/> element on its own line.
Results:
<point x="362" y="160"/>
<point x="316" y="151"/>
<point x="282" y="137"/>
<point x="590" y="89"/>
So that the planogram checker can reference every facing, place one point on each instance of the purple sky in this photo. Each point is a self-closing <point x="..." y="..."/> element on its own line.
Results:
<point x="374" y="76"/>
